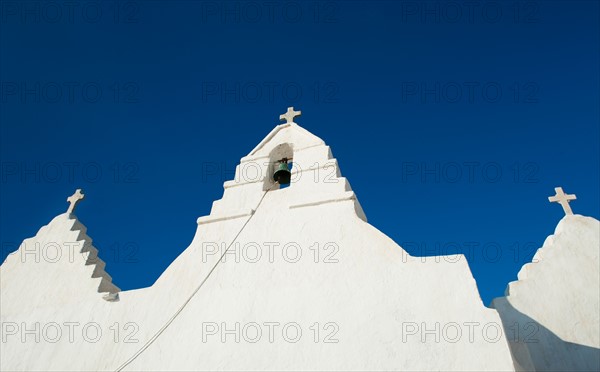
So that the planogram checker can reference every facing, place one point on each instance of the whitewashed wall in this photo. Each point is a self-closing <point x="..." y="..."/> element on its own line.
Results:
<point x="361" y="303"/>
<point x="552" y="313"/>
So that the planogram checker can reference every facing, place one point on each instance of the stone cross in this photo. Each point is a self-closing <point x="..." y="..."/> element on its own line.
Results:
<point x="290" y="115"/>
<point x="563" y="199"/>
<point x="74" y="199"/>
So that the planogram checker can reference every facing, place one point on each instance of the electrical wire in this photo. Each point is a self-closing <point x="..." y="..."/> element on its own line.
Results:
<point x="168" y="323"/>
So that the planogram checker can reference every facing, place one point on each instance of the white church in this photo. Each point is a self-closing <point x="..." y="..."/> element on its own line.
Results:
<point x="312" y="286"/>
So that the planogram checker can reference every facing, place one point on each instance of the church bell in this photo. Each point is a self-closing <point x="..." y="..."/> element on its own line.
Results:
<point x="282" y="175"/>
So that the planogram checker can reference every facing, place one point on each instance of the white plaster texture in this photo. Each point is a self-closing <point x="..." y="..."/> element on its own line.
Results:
<point x="375" y="307"/>
<point x="552" y="312"/>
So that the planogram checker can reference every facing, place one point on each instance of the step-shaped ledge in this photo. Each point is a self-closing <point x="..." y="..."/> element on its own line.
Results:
<point x="238" y="214"/>
<point x="349" y="195"/>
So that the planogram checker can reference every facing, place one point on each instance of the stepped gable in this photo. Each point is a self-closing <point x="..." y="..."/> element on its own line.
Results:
<point x="551" y="313"/>
<point x="58" y="265"/>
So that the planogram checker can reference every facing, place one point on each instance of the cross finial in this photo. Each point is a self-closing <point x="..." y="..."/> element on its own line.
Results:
<point x="563" y="199"/>
<point x="74" y="199"/>
<point x="290" y="115"/>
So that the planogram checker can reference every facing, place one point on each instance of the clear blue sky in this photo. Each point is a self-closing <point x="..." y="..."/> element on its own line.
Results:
<point x="453" y="121"/>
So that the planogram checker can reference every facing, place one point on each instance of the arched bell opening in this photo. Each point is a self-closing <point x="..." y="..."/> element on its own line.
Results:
<point x="280" y="167"/>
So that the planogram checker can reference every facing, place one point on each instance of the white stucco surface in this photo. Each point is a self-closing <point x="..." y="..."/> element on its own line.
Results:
<point x="300" y="259"/>
<point x="552" y="312"/>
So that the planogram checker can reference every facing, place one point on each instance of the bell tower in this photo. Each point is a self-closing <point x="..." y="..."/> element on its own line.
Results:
<point x="288" y="154"/>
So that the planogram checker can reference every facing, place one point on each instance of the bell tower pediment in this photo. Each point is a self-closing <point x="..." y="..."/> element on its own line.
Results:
<point x="289" y="133"/>
<point x="313" y="173"/>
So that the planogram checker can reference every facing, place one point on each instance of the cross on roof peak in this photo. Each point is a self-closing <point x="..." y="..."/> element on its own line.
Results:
<point x="562" y="199"/>
<point x="74" y="199"/>
<point x="290" y="115"/>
